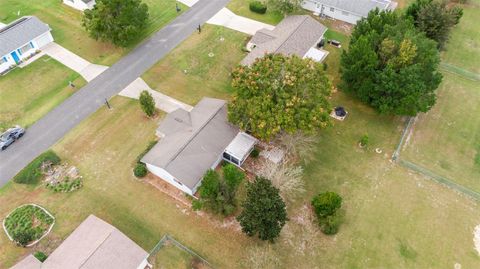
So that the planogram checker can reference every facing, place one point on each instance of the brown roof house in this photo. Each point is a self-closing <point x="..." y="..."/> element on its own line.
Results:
<point x="295" y="35"/>
<point x="192" y="142"/>
<point x="94" y="244"/>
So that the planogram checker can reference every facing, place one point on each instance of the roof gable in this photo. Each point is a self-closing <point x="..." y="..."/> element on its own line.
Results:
<point x="294" y="35"/>
<point x="20" y="32"/>
<point x="188" y="150"/>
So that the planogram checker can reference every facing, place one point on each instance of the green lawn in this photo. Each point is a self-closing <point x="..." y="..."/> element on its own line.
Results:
<point x="446" y="140"/>
<point x="27" y="94"/>
<point x="68" y="32"/>
<point x="241" y="7"/>
<point x="172" y="257"/>
<point x="463" y="49"/>
<point x="205" y="75"/>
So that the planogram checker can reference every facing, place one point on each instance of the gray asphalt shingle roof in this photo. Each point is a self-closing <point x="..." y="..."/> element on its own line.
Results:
<point x="294" y="35"/>
<point x="192" y="141"/>
<point x="20" y="32"/>
<point x="361" y="7"/>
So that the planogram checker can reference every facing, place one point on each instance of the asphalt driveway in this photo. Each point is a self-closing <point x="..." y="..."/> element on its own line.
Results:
<point x="51" y="128"/>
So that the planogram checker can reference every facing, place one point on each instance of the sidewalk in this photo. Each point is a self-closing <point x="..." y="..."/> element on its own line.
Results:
<point x="162" y="101"/>
<point x="228" y="19"/>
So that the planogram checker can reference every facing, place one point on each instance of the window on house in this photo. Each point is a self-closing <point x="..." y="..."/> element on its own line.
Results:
<point x="3" y="60"/>
<point x="332" y="9"/>
<point x="344" y="13"/>
<point x="25" y="48"/>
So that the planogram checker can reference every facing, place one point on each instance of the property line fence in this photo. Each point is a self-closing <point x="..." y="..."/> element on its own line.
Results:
<point x="442" y="180"/>
<point x="419" y="169"/>
<point x="460" y="71"/>
<point x="406" y="131"/>
<point x="168" y="239"/>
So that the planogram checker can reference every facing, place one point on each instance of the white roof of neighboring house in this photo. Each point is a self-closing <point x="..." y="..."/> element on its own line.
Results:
<point x="361" y="7"/>
<point x="293" y="35"/>
<point x="94" y="244"/>
<point x="192" y="141"/>
<point x="20" y="32"/>
<point x="241" y="145"/>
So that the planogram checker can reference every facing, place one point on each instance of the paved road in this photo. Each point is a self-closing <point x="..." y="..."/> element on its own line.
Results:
<point x="51" y="128"/>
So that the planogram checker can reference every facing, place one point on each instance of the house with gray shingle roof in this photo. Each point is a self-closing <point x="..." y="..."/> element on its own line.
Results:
<point x="94" y="244"/>
<point x="347" y="10"/>
<point x="192" y="142"/>
<point x="295" y="35"/>
<point x="21" y="39"/>
<point x="80" y="4"/>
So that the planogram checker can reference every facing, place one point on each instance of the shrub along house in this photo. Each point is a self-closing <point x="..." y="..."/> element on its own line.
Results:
<point x="295" y="35"/>
<point x="347" y="10"/>
<point x="192" y="142"/>
<point x="93" y="244"/>
<point x="21" y="39"/>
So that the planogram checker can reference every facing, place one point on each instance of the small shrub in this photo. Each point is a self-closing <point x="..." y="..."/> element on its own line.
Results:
<point x="147" y="103"/>
<point x="197" y="205"/>
<point x="40" y="256"/>
<point x="255" y="153"/>
<point x="23" y="237"/>
<point x="31" y="173"/>
<point x="364" y="140"/>
<point x="330" y="224"/>
<point x="140" y="170"/>
<point x="326" y="204"/>
<point x="325" y="66"/>
<point x="258" y="7"/>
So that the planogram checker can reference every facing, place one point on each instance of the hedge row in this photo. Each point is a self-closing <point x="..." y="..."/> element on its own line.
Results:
<point x="32" y="173"/>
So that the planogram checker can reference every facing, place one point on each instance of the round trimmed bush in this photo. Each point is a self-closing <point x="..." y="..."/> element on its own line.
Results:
<point x="258" y="7"/>
<point x="140" y="170"/>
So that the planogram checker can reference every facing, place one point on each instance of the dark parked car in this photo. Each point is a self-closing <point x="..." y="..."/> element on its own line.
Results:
<point x="9" y="136"/>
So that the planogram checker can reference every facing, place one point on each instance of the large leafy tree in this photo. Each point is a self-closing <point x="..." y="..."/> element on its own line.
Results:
<point x="117" y="21"/>
<point x="391" y="65"/>
<point x="279" y="93"/>
<point x="434" y="18"/>
<point x="264" y="212"/>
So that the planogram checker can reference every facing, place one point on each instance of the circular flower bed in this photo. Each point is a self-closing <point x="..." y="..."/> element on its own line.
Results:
<point x="27" y="224"/>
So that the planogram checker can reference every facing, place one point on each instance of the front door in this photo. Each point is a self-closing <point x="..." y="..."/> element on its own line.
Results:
<point x="15" y="57"/>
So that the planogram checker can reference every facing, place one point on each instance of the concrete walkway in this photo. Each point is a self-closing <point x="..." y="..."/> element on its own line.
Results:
<point x="86" y="69"/>
<point x="162" y="101"/>
<point x="188" y="3"/>
<point x="227" y="18"/>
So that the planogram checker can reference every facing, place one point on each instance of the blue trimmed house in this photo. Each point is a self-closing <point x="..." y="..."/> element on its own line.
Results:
<point x="21" y="39"/>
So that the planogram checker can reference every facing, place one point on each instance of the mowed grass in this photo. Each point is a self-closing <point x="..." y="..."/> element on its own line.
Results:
<point x="172" y="257"/>
<point x="68" y="32"/>
<point x="463" y="48"/>
<point x="241" y="7"/>
<point x="446" y="140"/>
<point x="104" y="148"/>
<point x="27" y="94"/>
<point x="189" y="73"/>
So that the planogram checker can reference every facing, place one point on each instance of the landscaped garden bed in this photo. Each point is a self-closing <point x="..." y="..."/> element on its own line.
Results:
<point x="28" y="224"/>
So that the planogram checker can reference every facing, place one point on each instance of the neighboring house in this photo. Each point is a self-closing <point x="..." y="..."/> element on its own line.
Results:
<point x="80" y="4"/>
<point x="21" y="39"/>
<point x="94" y="244"/>
<point x="295" y="35"/>
<point x="347" y="10"/>
<point x="193" y="142"/>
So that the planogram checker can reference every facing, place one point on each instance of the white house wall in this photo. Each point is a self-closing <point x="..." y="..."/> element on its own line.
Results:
<point x="7" y="64"/>
<point x="78" y="4"/>
<point x="163" y="174"/>
<point x="337" y="14"/>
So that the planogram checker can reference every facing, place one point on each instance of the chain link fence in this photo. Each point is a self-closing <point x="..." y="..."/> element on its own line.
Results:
<point x="459" y="71"/>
